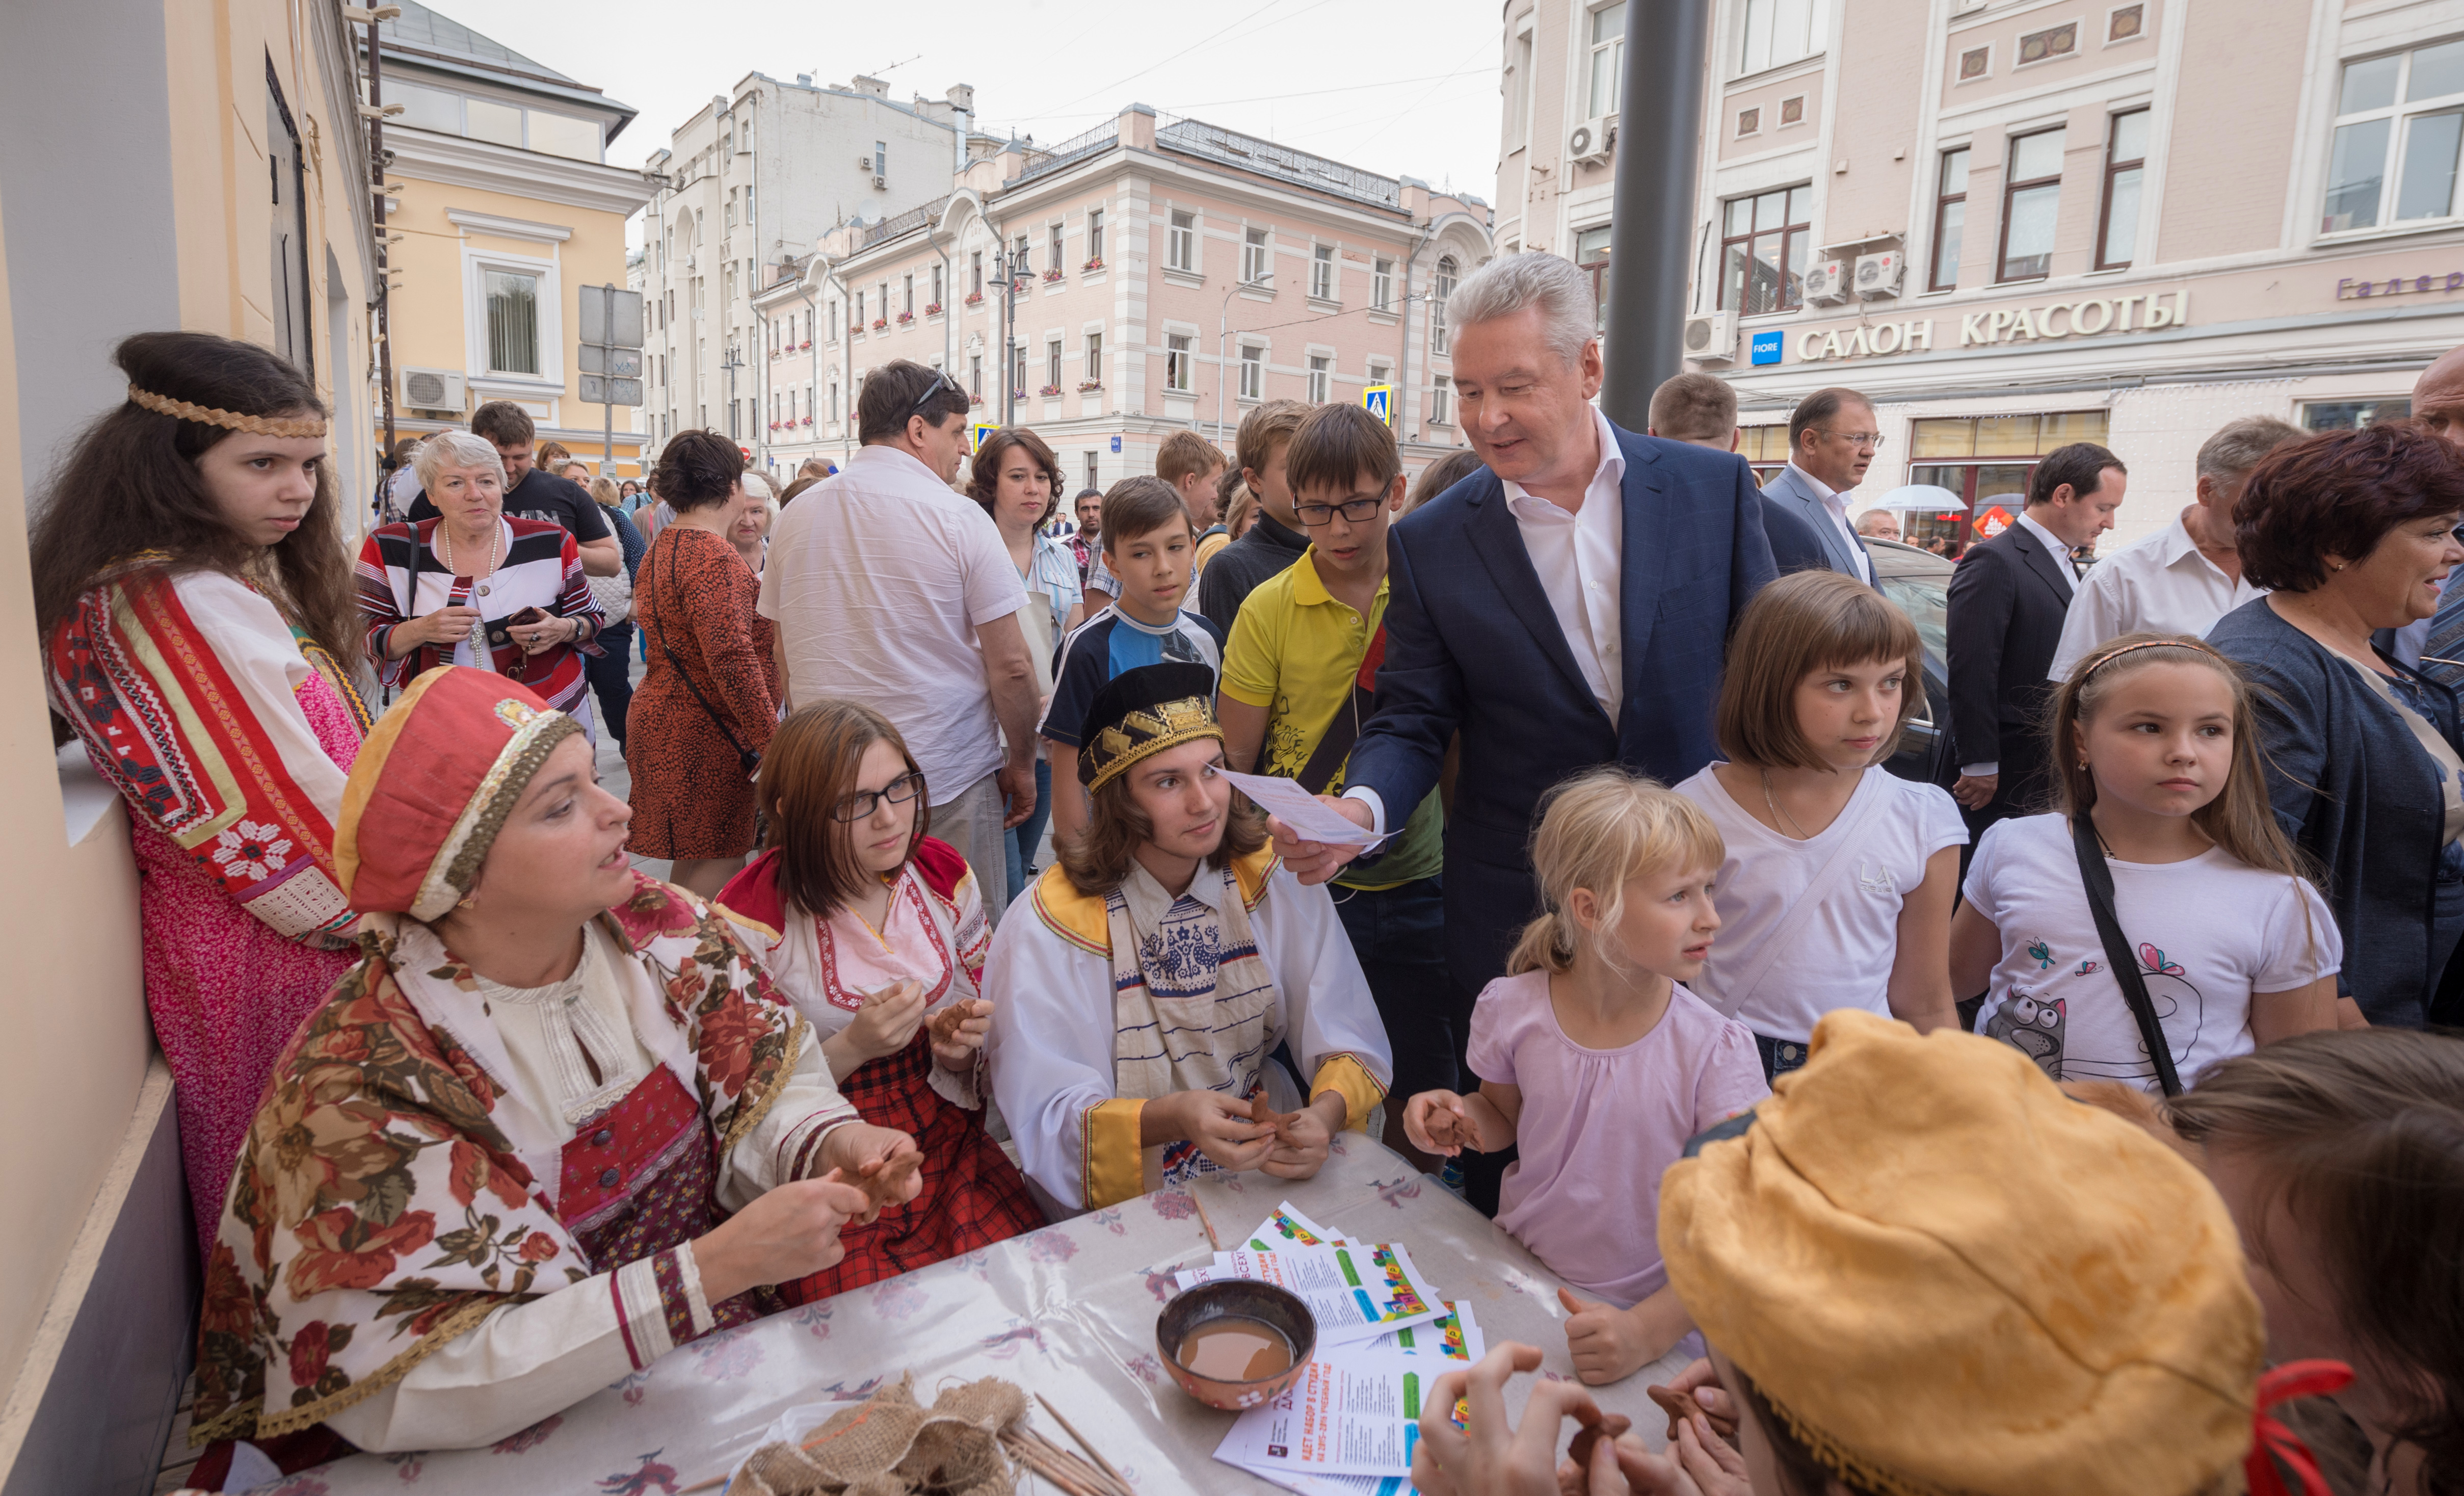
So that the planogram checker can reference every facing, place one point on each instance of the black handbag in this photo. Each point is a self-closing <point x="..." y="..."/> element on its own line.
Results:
<point x="745" y="758"/>
<point x="2098" y="879"/>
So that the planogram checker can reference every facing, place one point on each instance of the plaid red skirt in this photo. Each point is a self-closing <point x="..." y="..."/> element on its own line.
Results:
<point x="973" y="1195"/>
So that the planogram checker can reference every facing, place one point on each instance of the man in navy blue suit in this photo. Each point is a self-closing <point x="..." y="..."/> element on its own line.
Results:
<point x="1566" y="606"/>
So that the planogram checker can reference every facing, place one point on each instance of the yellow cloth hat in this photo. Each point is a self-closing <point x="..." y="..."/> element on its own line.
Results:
<point x="1950" y="1277"/>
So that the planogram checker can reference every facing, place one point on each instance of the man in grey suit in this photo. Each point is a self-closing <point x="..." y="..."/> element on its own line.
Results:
<point x="1832" y="440"/>
<point x="1702" y="408"/>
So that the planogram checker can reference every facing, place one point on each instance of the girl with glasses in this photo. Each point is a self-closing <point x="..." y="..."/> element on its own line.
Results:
<point x="876" y="933"/>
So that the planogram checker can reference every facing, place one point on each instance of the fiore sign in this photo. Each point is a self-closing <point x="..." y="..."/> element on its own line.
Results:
<point x="2092" y="317"/>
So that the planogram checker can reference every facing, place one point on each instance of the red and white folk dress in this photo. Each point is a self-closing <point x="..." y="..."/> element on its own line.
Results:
<point x="935" y="934"/>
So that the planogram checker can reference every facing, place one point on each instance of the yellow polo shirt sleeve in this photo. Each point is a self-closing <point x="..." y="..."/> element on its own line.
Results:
<point x="1253" y="656"/>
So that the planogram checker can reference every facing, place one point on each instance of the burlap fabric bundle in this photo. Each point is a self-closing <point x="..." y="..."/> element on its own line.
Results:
<point x="890" y="1445"/>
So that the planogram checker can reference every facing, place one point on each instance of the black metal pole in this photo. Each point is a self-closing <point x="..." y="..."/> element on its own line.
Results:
<point x="1659" y="130"/>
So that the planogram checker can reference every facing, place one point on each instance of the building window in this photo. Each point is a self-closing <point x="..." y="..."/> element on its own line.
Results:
<point x="1986" y="460"/>
<point x="2031" y="194"/>
<point x="730" y="220"/>
<point x="748" y="208"/>
<point x="1518" y="93"/>
<point x="2125" y="160"/>
<point x="1095" y="359"/>
<point x="1092" y="480"/>
<point x="1018" y="265"/>
<point x="907" y="291"/>
<point x="830" y="322"/>
<point x="2351" y="415"/>
<point x="1949" y="215"/>
<point x="731" y="281"/>
<point x="2053" y="41"/>
<point x="1318" y="380"/>
<point x="1608" y="57"/>
<point x="1379" y="370"/>
<point x="976" y="273"/>
<point x="2401" y="117"/>
<point x="1094" y="235"/>
<point x="859" y="311"/>
<point x="976" y="375"/>
<point x="1018" y="370"/>
<point x="1763" y="248"/>
<point x="1591" y="254"/>
<point x="1381" y="285"/>
<point x="1441" y="401"/>
<point x="1176" y="360"/>
<point x="881" y="158"/>
<point x="1253" y="371"/>
<point x="1181" y="246"/>
<point x="1438" y="291"/>
<point x="1054" y="260"/>
<point x="1322" y="272"/>
<point x="1782" y="31"/>
<point x="513" y="321"/>
<point x="834" y="401"/>
<point x="1253" y="257"/>
<point x="936" y="301"/>
<point x="1052" y="363"/>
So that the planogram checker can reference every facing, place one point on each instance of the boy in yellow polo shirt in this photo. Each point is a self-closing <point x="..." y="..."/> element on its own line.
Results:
<point x="1299" y="680"/>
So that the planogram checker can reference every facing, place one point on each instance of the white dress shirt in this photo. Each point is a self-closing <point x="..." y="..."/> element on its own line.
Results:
<point x="2061" y="555"/>
<point x="1579" y="555"/>
<point x="2158" y="584"/>
<point x="1836" y="504"/>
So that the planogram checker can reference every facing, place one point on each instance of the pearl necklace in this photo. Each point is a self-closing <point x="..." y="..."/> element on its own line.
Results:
<point x="479" y="652"/>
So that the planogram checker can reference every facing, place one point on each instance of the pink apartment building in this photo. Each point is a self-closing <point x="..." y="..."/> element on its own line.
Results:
<point x="2018" y="223"/>
<point x="1174" y="276"/>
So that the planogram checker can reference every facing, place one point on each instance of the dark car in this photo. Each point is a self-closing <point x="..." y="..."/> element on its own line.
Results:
<point x="1920" y="582"/>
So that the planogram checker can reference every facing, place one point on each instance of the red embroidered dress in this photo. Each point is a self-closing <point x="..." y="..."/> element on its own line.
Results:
<point x="228" y="735"/>
<point x="935" y="934"/>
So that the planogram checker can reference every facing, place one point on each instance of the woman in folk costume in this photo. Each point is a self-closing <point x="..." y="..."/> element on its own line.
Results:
<point x="1169" y="955"/>
<point x="554" y="1124"/>
<point x="876" y="933"/>
<point x="199" y="633"/>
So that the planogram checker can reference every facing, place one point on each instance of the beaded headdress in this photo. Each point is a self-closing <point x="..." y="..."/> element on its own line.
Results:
<point x="210" y="415"/>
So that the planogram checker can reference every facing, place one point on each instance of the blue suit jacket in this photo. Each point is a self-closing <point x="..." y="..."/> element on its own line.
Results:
<point x="1786" y="492"/>
<point x="1472" y="645"/>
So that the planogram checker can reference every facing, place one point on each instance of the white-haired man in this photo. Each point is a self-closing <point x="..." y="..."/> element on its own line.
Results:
<point x="1565" y="607"/>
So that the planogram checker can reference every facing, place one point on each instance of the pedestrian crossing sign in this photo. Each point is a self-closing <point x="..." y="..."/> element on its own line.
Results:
<point x="1378" y="400"/>
<point x="977" y="433"/>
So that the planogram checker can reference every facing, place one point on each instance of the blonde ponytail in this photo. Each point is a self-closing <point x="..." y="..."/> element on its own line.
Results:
<point x="1600" y="829"/>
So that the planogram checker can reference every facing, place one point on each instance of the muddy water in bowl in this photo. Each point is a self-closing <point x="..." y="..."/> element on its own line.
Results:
<point x="1235" y="1349"/>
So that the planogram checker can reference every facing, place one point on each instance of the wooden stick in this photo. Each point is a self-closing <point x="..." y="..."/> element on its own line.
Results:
<point x="1085" y="1472"/>
<point x="1211" y="1239"/>
<point x="1082" y="1440"/>
<point x="1043" y="1464"/>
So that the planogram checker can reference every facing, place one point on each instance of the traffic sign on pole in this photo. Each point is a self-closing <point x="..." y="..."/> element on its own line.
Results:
<point x="1378" y="400"/>
<point x="610" y="359"/>
<point x="977" y="433"/>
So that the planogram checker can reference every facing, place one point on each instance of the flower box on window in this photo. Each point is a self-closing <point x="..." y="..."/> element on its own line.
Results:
<point x="975" y="400"/>
<point x="1093" y="264"/>
<point x="880" y="323"/>
<point x="1052" y="274"/>
<point x="809" y="420"/>
<point x="974" y="299"/>
<point x="1087" y="385"/>
<point x="905" y="318"/>
<point x="774" y="426"/>
<point x="932" y="308"/>
<point x="1049" y="390"/>
<point x="801" y="346"/>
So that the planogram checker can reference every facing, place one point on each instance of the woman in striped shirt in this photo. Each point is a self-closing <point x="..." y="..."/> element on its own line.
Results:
<point x="473" y="587"/>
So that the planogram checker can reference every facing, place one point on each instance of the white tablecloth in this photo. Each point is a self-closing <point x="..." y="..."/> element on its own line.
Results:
<point x="1068" y="1311"/>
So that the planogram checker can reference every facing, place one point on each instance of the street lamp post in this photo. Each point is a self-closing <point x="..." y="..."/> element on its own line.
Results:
<point x="1222" y="331"/>
<point x="735" y="360"/>
<point x="1660" y="139"/>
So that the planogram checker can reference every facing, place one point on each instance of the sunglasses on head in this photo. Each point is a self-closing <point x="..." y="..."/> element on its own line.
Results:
<point x="941" y="381"/>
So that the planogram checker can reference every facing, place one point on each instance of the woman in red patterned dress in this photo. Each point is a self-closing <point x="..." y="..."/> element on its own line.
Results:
<point x="876" y="933"/>
<point x="199" y="632"/>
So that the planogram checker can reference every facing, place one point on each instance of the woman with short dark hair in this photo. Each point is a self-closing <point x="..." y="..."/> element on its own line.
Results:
<point x="710" y="701"/>
<point x="2354" y="531"/>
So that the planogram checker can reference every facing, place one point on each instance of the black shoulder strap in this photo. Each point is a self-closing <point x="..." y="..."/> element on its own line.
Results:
<point x="2098" y="879"/>
<point x="745" y="757"/>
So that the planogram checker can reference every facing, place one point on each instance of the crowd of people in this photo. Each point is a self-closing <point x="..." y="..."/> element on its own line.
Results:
<point x="2110" y="1058"/>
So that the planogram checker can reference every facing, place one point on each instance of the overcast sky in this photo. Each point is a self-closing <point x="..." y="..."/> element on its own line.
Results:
<point x="1402" y="90"/>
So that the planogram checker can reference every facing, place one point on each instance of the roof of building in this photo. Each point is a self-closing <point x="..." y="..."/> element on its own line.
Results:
<point x="425" y="37"/>
<point x="1225" y="149"/>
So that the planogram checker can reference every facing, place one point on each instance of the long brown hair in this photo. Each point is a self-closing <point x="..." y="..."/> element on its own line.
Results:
<point x="983" y="477"/>
<point x="2239" y="820"/>
<point x="1100" y="856"/>
<point x="810" y="765"/>
<point x="130" y="486"/>
<point x="1806" y="622"/>
<point x="2360" y="1136"/>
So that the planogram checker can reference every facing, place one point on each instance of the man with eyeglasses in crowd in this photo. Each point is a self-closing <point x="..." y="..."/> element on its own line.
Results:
<point x="898" y="593"/>
<point x="1831" y="439"/>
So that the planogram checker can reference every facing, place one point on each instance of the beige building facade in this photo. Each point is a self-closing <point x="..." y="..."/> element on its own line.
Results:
<point x="178" y="166"/>
<point x="2018" y="223"/>
<point x="505" y="210"/>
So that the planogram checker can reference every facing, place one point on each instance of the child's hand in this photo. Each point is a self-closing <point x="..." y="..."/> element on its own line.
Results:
<point x="1219" y="1125"/>
<point x="1301" y="1145"/>
<point x="887" y="1021"/>
<point x="1436" y="1123"/>
<point x="1606" y="1344"/>
<point x="959" y="1032"/>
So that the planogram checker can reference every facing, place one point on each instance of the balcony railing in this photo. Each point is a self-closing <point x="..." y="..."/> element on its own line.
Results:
<point x="907" y="222"/>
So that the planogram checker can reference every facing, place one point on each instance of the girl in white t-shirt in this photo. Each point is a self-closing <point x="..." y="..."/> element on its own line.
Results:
<point x="1837" y="887"/>
<point x="1598" y="1064"/>
<point x="2154" y="743"/>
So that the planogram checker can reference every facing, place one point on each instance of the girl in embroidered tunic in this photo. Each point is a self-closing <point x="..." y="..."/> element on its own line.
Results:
<point x="876" y="933"/>
<point x="200" y="636"/>
<point x="1168" y="956"/>
<point x="497" y="1169"/>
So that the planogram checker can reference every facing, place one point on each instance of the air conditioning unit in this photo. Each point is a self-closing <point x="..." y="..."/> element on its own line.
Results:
<point x="1590" y="141"/>
<point x="1711" y="338"/>
<point x="434" y="390"/>
<point x="863" y="163"/>
<point x="1879" y="276"/>
<point x="1826" y="282"/>
<point x="880" y="183"/>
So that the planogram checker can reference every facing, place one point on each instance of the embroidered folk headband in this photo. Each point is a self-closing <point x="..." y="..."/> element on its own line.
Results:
<point x="208" y="415"/>
<point x="1141" y="713"/>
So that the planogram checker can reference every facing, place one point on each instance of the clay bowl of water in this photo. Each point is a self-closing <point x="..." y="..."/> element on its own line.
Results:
<point x="1234" y="1345"/>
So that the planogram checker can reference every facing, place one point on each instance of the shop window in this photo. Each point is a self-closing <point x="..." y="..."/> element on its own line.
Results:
<point x="2126" y="163"/>
<point x="1766" y="449"/>
<point x="2399" y="117"/>
<point x="1985" y="462"/>
<point x="2032" y="196"/>
<point x="1949" y="216"/>
<point x="2351" y="415"/>
<point x="1763" y="248"/>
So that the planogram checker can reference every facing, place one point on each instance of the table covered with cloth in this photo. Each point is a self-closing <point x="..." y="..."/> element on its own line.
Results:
<point x="1069" y="1312"/>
